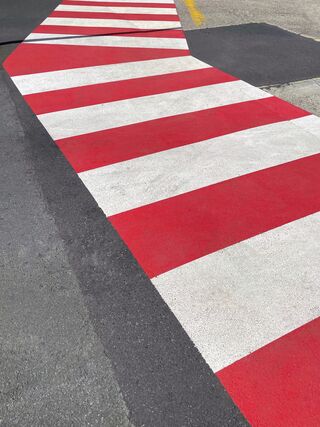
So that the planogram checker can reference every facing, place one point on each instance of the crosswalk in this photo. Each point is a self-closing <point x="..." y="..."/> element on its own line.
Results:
<point x="213" y="184"/>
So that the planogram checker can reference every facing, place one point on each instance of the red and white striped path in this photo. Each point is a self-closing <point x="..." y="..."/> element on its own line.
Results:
<point x="212" y="183"/>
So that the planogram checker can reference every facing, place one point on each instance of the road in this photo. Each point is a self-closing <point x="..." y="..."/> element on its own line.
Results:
<point x="283" y="59"/>
<point x="196" y="301"/>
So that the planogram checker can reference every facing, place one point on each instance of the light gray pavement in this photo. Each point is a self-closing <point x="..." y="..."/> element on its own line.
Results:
<point x="293" y="15"/>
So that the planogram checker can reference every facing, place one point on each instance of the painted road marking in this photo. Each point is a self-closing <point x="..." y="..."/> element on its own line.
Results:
<point x="128" y="185"/>
<point x="102" y="148"/>
<point x="63" y="124"/>
<point x="68" y="99"/>
<point x="310" y="124"/>
<point x="38" y="58"/>
<point x="103" y="31"/>
<point x="277" y="373"/>
<point x="230" y="308"/>
<point x="213" y="184"/>
<point x="106" y="15"/>
<point x="123" y="9"/>
<point x="196" y="15"/>
<point x="120" y="3"/>
<point x="125" y="1"/>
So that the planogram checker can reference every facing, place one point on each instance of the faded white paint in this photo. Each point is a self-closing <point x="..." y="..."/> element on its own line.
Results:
<point x="155" y="177"/>
<point x="241" y="298"/>
<point x="78" y="121"/>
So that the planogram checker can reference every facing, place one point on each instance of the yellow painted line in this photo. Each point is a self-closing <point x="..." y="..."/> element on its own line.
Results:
<point x="196" y="15"/>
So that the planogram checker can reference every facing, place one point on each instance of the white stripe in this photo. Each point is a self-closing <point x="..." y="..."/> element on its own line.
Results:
<point x="241" y="298"/>
<point x="112" y="41"/>
<point x="112" y="23"/>
<point x="131" y="1"/>
<point x="123" y="9"/>
<point x="78" y="121"/>
<point x="54" y="80"/>
<point x="143" y="180"/>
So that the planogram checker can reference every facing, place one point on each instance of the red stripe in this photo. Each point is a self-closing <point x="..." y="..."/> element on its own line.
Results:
<point x="119" y="4"/>
<point x="279" y="384"/>
<point x="64" y="99"/>
<point x="37" y="58"/>
<point x="175" y="231"/>
<point x="129" y="32"/>
<point x="98" y="149"/>
<point x="102" y="15"/>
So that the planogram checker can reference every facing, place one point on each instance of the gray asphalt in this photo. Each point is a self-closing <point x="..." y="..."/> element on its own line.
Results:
<point x="85" y="337"/>
<point x="54" y="370"/>
<point x="305" y="93"/>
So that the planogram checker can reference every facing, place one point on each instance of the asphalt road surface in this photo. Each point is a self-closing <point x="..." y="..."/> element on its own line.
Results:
<point x="159" y="214"/>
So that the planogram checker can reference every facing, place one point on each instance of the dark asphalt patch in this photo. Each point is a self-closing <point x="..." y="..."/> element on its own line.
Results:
<point x="260" y="54"/>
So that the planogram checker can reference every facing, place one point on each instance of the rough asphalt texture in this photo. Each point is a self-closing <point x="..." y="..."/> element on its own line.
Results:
<point x="53" y="366"/>
<point x="305" y="94"/>
<point x="86" y="339"/>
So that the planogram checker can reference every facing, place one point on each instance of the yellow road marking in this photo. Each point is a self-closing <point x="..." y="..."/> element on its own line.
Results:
<point x="196" y="15"/>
